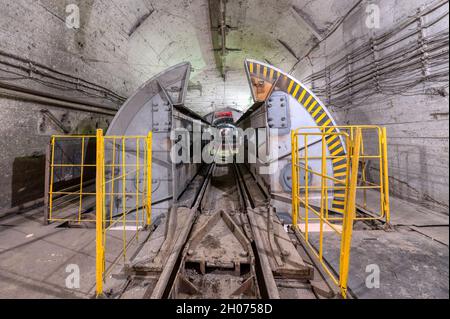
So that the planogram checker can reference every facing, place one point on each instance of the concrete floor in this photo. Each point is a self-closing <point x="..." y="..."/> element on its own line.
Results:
<point x="34" y="257"/>
<point x="413" y="258"/>
<point x="410" y="264"/>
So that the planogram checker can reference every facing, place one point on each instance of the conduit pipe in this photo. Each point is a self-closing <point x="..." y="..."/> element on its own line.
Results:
<point x="50" y="99"/>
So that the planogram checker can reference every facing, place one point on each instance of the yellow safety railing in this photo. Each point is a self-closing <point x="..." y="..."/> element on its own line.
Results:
<point x="118" y="192"/>
<point x="123" y="190"/>
<point x="373" y="150"/>
<point x="312" y="214"/>
<point x="71" y="191"/>
<point x="376" y="154"/>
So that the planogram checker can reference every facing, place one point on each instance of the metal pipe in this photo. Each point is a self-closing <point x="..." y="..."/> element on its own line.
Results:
<point x="32" y="65"/>
<point x="46" y="98"/>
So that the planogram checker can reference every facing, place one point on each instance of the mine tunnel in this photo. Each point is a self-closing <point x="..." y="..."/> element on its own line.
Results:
<point x="224" y="149"/>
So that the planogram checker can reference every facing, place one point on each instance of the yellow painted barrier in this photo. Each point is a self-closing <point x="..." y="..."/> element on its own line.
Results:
<point x="99" y="229"/>
<point x="311" y="203"/>
<point x="105" y="190"/>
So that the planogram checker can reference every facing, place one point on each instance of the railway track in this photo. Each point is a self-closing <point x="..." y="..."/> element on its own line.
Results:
<point x="225" y="242"/>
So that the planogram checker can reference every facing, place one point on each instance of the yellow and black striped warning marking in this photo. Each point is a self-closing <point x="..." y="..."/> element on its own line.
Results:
<point x="314" y="107"/>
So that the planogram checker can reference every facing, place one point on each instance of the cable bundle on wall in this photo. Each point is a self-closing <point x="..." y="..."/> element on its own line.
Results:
<point x="394" y="63"/>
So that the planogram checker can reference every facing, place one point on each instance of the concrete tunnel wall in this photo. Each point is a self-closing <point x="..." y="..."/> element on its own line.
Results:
<point x="103" y="51"/>
<point x="111" y="52"/>
<point x="417" y="123"/>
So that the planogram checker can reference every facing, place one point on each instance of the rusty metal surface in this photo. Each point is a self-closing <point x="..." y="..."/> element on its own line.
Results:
<point x="225" y="246"/>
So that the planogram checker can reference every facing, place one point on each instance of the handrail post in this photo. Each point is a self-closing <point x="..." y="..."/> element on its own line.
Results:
<point x="323" y="195"/>
<point x="80" y="204"/>
<point x="385" y="176"/>
<point x="99" y="248"/>
<point x="349" y="213"/>
<point x="306" y="201"/>
<point x="48" y="163"/>
<point x="294" y="150"/>
<point x="149" y="179"/>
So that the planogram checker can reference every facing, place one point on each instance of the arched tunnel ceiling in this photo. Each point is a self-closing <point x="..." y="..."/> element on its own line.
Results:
<point x="276" y="31"/>
<point x="153" y="35"/>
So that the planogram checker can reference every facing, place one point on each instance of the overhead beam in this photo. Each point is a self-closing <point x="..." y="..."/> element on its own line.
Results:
<point x="219" y="31"/>
<point x="223" y="26"/>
